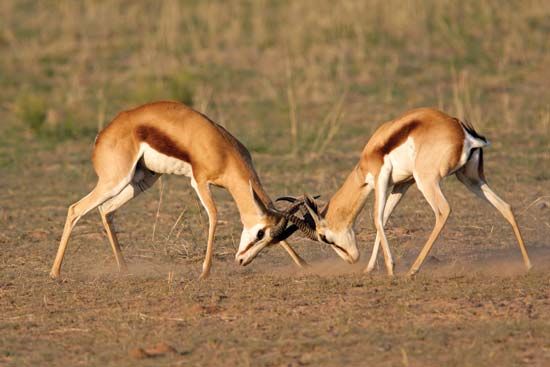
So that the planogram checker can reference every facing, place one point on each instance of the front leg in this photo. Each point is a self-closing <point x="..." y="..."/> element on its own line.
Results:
<point x="381" y="189"/>
<point x="395" y="197"/>
<point x="203" y="191"/>
<point x="297" y="259"/>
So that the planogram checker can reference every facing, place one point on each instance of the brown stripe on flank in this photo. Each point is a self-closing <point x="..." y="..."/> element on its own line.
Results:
<point x="398" y="137"/>
<point x="386" y="141"/>
<point x="161" y="142"/>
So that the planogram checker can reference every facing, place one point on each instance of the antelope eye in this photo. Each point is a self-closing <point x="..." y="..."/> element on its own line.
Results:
<point x="324" y="239"/>
<point x="260" y="234"/>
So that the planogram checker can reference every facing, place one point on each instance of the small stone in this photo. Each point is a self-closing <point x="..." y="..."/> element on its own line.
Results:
<point x="160" y="349"/>
<point x="542" y="205"/>
<point x="433" y="259"/>
<point x="196" y="308"/>
<point x="38" y="235"/>
<point x="138" y="353"/>
<point x="305" y="359"/>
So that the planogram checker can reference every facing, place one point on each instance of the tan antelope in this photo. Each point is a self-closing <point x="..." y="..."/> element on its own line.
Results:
<point x="140" y="145"/>
<point x="422" y="146"/>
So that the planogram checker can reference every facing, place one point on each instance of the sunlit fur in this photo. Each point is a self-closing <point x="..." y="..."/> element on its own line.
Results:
<point x="422" y="146"/>
<point x="141" y="144"/>
<point x="343" y="242"/>
<point x="249" y="246"/>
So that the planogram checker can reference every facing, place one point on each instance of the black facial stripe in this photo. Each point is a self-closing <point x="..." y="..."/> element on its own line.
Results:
<point x="248" y="246"/>
<point x="324" y="239"/>
<point x="339" y="248"/>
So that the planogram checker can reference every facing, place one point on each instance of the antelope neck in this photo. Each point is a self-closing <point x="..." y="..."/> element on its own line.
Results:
<point x="347" y="202"/>
<point x="239" y="188"/>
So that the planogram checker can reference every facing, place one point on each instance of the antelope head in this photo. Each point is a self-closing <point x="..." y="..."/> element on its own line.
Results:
<point x="315" y="227"/>
<point x="271" y="228"/>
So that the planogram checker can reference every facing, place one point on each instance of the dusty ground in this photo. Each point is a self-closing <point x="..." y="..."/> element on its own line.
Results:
<point x="472" y="304"/>
<point x="331" y="74"/>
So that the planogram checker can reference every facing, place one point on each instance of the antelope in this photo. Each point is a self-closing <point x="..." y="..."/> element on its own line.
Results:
<point x="141" y="144"/>
<point x="423" y="146"/>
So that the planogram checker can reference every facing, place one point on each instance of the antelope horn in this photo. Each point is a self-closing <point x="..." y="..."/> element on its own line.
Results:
<point x="280" y="233"/>
<point x="311" y="207"/>
<point x="286" y="233"/>
<point x="292" y="199"/>
<point x="280" y="228"/>
<point x="304" y="227"/>
<point x="299" y="223"/>
<point x="311" y="202"/>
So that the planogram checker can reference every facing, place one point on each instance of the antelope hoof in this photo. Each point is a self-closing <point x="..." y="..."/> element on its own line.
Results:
<point x="205" y="274"/>
<point x="368" y="269"/>
<point x="54" y="275"/>
<point x="412" y="273"/>
<point x="123" y="269"/>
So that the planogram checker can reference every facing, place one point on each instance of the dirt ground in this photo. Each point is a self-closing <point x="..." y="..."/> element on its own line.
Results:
<point x="302" y="84"/>
<point x="472" y="304"/>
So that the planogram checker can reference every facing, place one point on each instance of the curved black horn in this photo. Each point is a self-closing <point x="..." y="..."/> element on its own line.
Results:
<point x="292" y="199"/>
<point x="311" y="202"/>
<point x="286" y="233"/>
<point x="279" y="228"/>
<point x="280" y="232"/>
<point x="304" y="227"/>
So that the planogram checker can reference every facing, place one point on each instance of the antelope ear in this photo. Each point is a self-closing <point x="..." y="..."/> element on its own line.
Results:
<point x="311" y="207"/>
<point x="310" y="202"/>
<point x="324" y="210"/>
<point x="260" y="206"/>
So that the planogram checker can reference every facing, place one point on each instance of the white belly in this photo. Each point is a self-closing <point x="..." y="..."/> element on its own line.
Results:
<point x="161" y="163"/>
<point x="402" y="159"/>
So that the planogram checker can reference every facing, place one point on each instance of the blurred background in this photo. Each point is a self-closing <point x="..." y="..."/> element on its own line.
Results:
<point x="305" y="75"/>
<point x="302" y="84"/>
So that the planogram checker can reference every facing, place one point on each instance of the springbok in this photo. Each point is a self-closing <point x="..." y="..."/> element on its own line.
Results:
<point x="140" y="145"/>
<point x="423" y="146"/>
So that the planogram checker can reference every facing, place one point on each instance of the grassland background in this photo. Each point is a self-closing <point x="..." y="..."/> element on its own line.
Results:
<point x="302" y="84"/>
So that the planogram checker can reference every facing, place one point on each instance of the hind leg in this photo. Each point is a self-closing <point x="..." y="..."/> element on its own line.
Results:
<point x="429" y="186"/>
<point x="142" y="180"/>
<point x="472" y="176"/>
<point x="97" y="196"/>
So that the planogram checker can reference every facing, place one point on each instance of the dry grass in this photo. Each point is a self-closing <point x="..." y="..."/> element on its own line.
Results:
<point x="86" y="60"/>
<point x="302" y="84"/>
